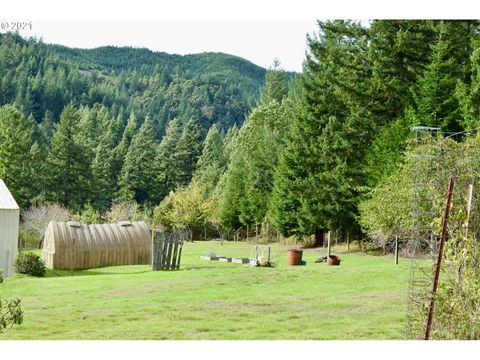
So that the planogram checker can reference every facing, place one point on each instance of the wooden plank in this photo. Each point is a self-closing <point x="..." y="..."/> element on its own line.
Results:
<point x="158" y="249"/>
<point x="170" y="266"/>
<point x="153" y="249"/>
<point x="163" y="252"/>
<point x="174" y="256"/>
<point x="179" y="256"/>
<point x="161" y="260"/>
<point x="396" y="250"/>
<point x="155" y="252"/>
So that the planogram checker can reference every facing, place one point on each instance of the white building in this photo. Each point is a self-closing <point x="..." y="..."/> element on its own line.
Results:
<point x="9" y="221"/>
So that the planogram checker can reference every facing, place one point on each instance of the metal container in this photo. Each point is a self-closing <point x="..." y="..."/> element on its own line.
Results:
<point x="333" y="260"/>
<point x="294" y="257"/>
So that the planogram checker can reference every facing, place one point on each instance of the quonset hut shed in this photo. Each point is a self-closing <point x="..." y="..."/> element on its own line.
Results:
<point x="9" y="219"/>
<point x="74" y="245"/>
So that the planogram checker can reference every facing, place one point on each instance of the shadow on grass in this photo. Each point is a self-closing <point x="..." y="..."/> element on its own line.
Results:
<point x="209" y="267"/>
<point x="88" y="272"/>
<point x="92" y="272"/>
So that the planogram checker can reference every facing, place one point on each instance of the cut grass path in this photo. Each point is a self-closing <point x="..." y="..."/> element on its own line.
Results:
<point x="363" y="298"/>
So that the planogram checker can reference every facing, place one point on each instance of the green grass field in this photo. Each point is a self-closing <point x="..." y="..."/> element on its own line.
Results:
<point x="364" y="298"/>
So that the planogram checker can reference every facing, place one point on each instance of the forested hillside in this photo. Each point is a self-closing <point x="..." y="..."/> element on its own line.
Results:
<point x="42" y="79"/>
<point x="82" y="127"/>
<point x="93" y="128"/>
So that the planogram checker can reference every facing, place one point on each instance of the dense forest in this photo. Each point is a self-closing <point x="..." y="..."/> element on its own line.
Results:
<point x="42" y="79"/>
<point x="213" y="141"/>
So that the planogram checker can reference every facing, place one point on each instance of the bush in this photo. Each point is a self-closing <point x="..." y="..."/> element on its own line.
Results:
<point x="30" y="264"/>
<point x="89" y="216"/>
<point x="10" y="311"/>
<point x="35" y="221"/>
<point x="125" y="211"/>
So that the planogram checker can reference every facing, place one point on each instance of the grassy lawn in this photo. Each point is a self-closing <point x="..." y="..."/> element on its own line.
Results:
<point x="364" y="298"/>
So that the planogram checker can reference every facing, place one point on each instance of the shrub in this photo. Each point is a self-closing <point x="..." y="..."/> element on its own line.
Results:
<point x="123" y="211"/>
<point x="10" y="311"/>
<point x="89" y="216"/>
<point x="35" y="221"/>
<point x="30" y="264"/>
<point x="10" y="314"/>
<point x="457" y="306"/>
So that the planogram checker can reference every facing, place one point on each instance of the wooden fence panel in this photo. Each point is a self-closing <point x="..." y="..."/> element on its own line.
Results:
<point x="167" y="250"/>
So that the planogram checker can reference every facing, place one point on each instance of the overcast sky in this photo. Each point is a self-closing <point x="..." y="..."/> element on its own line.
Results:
<point x="260" y="41"/>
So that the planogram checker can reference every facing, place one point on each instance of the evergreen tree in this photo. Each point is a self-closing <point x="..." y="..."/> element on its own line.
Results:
<point x="274" y="88"/>
<point x="93" y="123"/>
<point x="232" y="191"/>
<point x="130" y="130"/>
<point x="248" y="181"/>
<point x="70" y="173"/>
<point x="385" y="153"/>
<point x="168" y="159"/>
<point x="105" y="170"/>
<point x="211" y="163"/>
<point x="189" y="149"/>
<point x="46" y="128"/>
<point x="319" y="176"/>
<point x="138" y="179"/>
<point x="468" y="93"/>
<point x="16" y="162"/>
<point x="398" y="52"/>
<point x="229" y="142"/>
<point x="434" y="98"/>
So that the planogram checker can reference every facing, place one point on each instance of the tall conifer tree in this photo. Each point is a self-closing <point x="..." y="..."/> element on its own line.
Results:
<point x="138" y="179"/>
<point x="16" y="162"/>
<point x="189" y="149"/>
<point x="70" y="172"/>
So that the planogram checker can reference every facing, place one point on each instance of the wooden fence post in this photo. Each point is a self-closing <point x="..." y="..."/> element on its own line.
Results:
<point x="328" y="244"/>
<point x="396" y="250"/>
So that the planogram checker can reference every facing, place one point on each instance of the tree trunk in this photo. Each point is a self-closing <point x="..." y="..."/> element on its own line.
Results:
<point x="318" y="238"/>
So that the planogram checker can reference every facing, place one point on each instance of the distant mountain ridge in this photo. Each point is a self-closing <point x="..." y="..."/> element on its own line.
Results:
<point x="126" y="57"/>
<point x="215" y="87"/>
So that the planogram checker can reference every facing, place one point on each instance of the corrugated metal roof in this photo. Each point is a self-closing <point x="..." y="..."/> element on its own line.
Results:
<point x="6" y="199"/>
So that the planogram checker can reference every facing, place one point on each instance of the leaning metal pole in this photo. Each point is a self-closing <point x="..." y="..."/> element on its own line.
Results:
<point x="439" y="258"/>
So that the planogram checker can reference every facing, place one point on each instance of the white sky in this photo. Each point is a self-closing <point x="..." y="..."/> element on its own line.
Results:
<point x="260" y="41"/>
